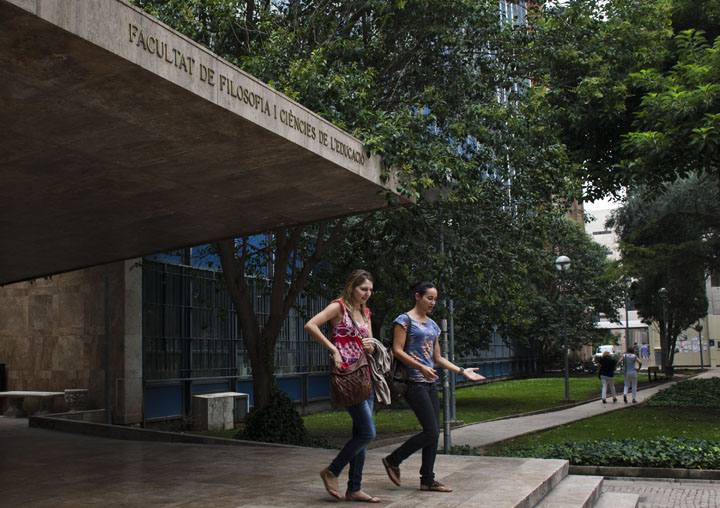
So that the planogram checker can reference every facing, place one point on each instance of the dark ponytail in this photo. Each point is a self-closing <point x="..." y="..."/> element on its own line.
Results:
<point x="420" y="287"/>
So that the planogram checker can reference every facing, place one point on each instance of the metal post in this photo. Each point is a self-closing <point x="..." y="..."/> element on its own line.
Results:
<point x="627" y="323"/>
<point x="565" y="342"/>
<point x="452" y="360"/>
<point x="663" y="330"/>
<point x="446" y="393"/>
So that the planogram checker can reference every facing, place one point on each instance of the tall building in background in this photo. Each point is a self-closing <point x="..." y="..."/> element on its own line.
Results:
<point x="631" y="330"/>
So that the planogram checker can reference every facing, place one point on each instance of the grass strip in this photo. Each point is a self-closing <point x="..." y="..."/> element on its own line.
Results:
<point x="473" y="404"/>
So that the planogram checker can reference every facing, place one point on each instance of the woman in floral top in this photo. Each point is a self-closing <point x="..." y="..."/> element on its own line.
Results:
<point x="415" y="343"/>
<point x="350" y="335"/>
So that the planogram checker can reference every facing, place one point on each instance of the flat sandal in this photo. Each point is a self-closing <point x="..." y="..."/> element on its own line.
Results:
<point x="359" y="495"/>
<point x="435" y="487"/>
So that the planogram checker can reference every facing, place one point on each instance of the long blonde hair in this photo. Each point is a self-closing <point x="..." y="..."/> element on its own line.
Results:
<point x="355" y="278"/>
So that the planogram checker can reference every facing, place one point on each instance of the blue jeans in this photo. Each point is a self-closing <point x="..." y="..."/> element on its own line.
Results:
<point x="423" y="400"/>
<point x="353" y="453"/>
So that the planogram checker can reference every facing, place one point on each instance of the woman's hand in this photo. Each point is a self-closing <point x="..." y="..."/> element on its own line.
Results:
<point x="472" y="375"/>
<point x="428" y="373"/>
<point x="337" y="359"/>
<point x="368" y="346"/>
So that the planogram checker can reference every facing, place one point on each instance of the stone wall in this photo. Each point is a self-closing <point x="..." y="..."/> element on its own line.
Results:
<point x="52" y="333"/>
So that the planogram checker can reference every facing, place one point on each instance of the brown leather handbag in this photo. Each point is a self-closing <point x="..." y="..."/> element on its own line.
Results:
<point x="352" y="385"/>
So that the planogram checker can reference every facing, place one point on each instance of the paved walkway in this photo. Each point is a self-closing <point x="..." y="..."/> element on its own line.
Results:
<point x="39" y="467"/>
<point x="44" y="468"/>
<point x="668" y="493"/>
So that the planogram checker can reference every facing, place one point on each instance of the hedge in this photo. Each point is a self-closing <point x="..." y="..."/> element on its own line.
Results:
<point x="690" y="393"/>
<point x="687" y="453"/>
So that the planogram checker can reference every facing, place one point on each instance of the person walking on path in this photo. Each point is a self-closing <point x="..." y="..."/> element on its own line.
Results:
<point x="351" y="337"/>
<point x="606" y="372"/>
<point x="628" y="362"/>
<point x="415" y="344"/>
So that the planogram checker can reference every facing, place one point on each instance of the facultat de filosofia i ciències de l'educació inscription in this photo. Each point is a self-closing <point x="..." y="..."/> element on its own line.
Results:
<point x="186" y="63"/>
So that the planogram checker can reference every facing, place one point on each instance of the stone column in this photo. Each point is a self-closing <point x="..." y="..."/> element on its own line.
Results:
<point x="126" y="345"/>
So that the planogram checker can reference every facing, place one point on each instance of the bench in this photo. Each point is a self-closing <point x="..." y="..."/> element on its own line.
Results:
<point x="16" y="398"/>
<point x="652" y="373"/>
<point x="219" y="411"/>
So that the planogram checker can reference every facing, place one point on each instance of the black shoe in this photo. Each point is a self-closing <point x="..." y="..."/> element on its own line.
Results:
<point x="614" y="400"/>
<point x="604" y="401"/>
<point x="625" y="398"/>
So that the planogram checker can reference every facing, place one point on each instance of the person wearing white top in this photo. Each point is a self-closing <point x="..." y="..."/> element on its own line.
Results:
<point x="628" y="362"/>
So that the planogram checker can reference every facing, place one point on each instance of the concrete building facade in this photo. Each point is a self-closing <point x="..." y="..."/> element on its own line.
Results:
<point x="123" y="138"/>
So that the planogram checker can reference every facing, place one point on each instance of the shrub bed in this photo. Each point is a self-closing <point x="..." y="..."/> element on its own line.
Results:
<point x="664" y="452"/>
<point x="690" y="393"/>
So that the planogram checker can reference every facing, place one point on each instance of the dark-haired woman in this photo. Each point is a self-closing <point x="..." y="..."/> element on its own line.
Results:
<point x="351" y="334"/>
<point x="415" y="343"/>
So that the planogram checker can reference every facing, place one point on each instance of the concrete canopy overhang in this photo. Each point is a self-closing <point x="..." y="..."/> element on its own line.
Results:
<point x="120" y="137"/>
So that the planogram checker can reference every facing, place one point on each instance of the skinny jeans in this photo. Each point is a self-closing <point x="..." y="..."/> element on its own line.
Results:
<point x="608" y="380"/>
<point x="423" y="400"/>
<point x="353" y="453"/>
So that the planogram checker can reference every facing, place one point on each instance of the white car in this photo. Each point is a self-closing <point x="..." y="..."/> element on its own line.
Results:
<point x="606" y="347"/>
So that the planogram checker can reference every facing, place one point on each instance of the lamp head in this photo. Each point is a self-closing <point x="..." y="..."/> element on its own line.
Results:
<point x="562" y="263"/>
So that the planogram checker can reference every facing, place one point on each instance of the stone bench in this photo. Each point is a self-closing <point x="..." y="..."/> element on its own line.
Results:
<point x="76" y="399"/>
<point x="16" y="398"/>
<point x="219" y="411"/>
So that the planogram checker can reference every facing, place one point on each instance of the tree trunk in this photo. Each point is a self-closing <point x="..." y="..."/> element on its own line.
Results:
<point x="263" y="367"/>
<point x="236" y="283"/>
<point x="663" y="345"/>
<point x="261" y="338"/>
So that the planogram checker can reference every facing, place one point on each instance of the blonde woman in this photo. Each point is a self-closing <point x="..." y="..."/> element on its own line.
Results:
<point x="607" y="366"/>
<point x="350" y="336"/>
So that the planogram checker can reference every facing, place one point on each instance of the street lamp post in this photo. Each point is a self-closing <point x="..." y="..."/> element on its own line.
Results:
<point x="627" y="322"/>
<point x="663" y="329"/>
<point x="562" y="263"/>
<point x="432" y="196"/>
<point x="699" y="328"/>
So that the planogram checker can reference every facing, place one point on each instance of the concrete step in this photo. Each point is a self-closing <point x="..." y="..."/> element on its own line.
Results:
<point x="617" y="500"/>
<point x="497" y="482"/>
<point x="574" y="491"/>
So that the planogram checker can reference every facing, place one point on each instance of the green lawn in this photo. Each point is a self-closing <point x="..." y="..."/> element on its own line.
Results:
<point x="635" y="422"/>
<point x="473" y="404"/>
<point x="494" y="400"/>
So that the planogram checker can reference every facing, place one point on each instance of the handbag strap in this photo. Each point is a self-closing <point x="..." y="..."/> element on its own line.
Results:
<point x="352" y="320"/>
<point x="407" y="332"/>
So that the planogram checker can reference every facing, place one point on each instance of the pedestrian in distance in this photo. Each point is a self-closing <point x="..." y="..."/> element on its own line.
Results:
<point x="629" y="361"/>
<point x="606" y="371"/>
<point x="351" y="336"/>
<point x="415" y="344"/>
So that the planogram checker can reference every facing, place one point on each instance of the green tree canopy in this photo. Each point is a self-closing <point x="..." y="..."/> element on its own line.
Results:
<point x="581" y="55"/>
<point x="670" y="241"/>
<point x="677" y="125"/>
<point x="593" y="287"/>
